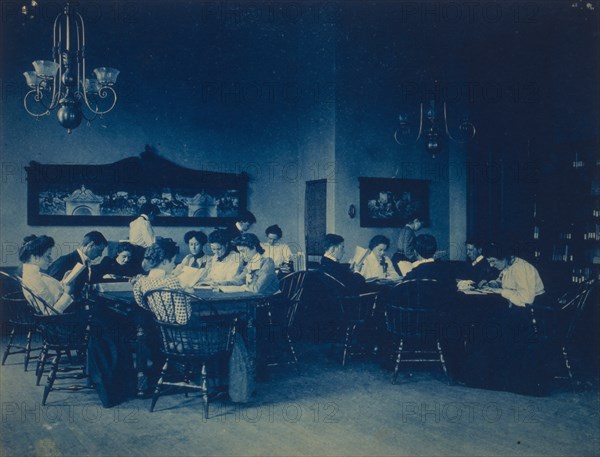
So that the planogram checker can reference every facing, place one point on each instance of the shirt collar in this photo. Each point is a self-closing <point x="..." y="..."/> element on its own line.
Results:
<point x="31" y="268"/>
<point x="157" y="273"/>
<point x="477" y="260"/>
<point x="420" y="262"/>
<point x="330" y="257"/>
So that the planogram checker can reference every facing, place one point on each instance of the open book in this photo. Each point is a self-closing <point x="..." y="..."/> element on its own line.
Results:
<point x="360" y="254"/>
<point x="405" y="266"/>
<point x="76" y="271"/>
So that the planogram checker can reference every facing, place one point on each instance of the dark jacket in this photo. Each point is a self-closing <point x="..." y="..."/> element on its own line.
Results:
<point x="439" y="270"/>
<point x="65" y="263"/>
<point x="355" y="283"/>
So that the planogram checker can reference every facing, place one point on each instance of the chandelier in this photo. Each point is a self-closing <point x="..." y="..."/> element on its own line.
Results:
<point x="433" y="127"/>
<point x="62" y="83"/>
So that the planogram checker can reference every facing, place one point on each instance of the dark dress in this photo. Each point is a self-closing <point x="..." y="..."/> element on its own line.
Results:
<point x="109" y="265"/>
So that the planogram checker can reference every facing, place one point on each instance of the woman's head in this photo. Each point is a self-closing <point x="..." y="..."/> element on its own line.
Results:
<point x="219" y="243"/>
<point x="195" y="240"/>
<point x="150" y="210"/>
<point x="37" y="250"/>
<point x="378" y="245"/>
<point x="495" y="255"/>
<point x="248" y="245"/>
<point x="274" y="234"/>
<point x="161" y="255"/>
<point x="124" y="253"/>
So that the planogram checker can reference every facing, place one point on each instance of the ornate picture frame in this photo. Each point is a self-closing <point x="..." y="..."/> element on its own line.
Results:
<point x="112" y="194"/>
<point x="388" y="202"/>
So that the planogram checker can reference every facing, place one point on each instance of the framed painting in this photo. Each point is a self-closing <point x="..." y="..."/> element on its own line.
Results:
<point x="112" y="194"/>
<point x="387" y="202"/>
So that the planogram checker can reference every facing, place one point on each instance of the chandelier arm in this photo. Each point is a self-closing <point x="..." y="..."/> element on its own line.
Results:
<point x="102" y="93"/>
<point x="420" y="124"/>
<point x="38" y="99"/>
<point x="401" y="143"/>
<point x="462" y="123"/>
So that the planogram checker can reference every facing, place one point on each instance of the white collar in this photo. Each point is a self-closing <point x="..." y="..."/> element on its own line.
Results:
<point x="239" y="227"/>
<point x="31" y="268"/>
<point x="477" y="260"/>
<point x="330" y="257"/>
<point x="157" y="273"/>
<point x="416" y="263"/>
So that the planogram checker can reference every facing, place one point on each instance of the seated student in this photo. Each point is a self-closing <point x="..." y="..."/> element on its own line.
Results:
<point x="119" y="267"/>
<point x="36" y="255"/>
<point x="92" y="246"/>
<point x="195" y="240"/>
<point x="477" y="268"/>
<point x="375" y="264"/>
<point x="278" y="251"/>
<point x="426" y="267"/>
<point x="225" y="263"/>
<point x="519" y="281"/>
<point x="330" y="264"/>
<point x="259" y="273"/>
<point x="160" y="257"/>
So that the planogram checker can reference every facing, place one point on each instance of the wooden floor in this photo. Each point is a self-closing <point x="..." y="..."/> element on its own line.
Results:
<point x="327" y="410"/>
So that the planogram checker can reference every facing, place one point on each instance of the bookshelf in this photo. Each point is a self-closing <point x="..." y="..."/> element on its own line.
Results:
<point x="566" y="210"/>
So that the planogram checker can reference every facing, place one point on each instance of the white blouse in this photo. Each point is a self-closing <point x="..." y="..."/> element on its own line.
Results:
<point x="223" y="270"/>
<point x="280" y="253"/>
<point x="46" y="287"/>
<point x="371" y="268"/>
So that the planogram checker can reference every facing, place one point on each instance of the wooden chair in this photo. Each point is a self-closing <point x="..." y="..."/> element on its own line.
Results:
<point x="561" y="324"/>
<point x="355" y="313"/>
<point x="189" y="349"/>
<point x="20" y="320"/>
<point x="62" y="334"/>
<point x="413" y="319"/>
<point x="281" y="312"/>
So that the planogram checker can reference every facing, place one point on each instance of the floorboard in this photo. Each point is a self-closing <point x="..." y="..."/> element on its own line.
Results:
<point x="327" y="410"/>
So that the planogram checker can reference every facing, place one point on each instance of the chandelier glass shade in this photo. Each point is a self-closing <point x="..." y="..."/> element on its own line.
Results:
<point x="433" y="128"/>
<point x="62" y="84"/>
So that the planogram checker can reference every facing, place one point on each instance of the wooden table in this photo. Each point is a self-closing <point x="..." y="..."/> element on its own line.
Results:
<point x="242" y="304"/>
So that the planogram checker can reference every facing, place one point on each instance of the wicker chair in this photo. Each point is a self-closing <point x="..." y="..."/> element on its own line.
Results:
<point x="191" y="348"/>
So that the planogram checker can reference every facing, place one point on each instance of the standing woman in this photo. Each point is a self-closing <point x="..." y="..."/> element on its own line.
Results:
<point x="36" y="255"/>
<point x="259" y="273"/>
<point x="376" y="265"/>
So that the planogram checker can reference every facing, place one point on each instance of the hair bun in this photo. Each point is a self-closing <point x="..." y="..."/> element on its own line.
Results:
<point x="29" y="238"/>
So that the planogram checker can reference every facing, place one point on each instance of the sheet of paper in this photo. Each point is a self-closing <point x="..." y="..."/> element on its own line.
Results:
<point x="231" y="289"/>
